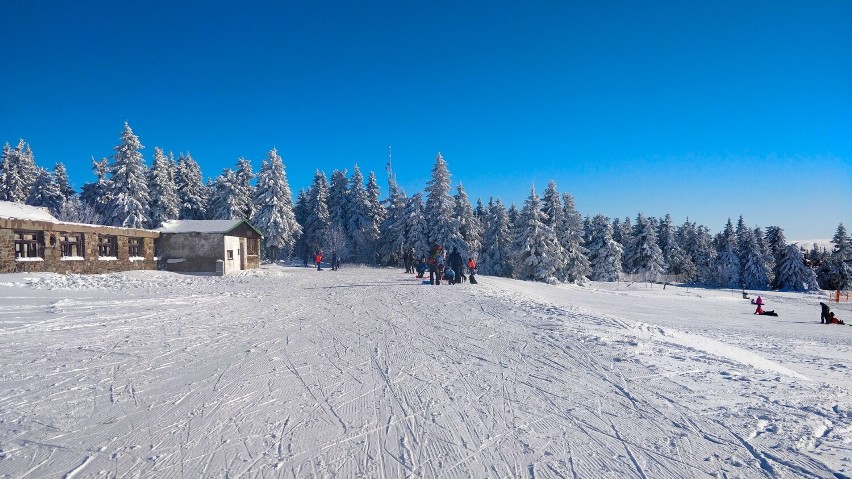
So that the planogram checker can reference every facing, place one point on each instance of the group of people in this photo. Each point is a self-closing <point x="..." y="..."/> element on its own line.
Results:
<point x="826" y="315"/>
<point x="436" y="264"/>
<point x="335" y="260"/>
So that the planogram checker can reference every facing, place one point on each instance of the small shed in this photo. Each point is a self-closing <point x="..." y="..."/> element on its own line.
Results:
<point x="197" y="245"/>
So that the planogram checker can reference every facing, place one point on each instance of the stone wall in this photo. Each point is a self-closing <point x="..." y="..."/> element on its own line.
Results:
<point x="51" y="257"/>
<point x="199" y="251"/>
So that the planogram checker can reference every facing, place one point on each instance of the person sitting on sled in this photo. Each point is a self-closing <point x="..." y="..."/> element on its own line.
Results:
<point x="450" y="275"/>
<point x="421" y="267"/>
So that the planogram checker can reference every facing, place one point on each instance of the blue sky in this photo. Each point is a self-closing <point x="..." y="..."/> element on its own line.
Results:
<point x="700" y="109"/>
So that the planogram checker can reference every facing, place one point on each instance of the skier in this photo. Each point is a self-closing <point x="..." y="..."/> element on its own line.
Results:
<point x="334" y="260"/>
<point x="455" y="260"/>
<point x="824" y="314"/>
<point x="319" y="260"/>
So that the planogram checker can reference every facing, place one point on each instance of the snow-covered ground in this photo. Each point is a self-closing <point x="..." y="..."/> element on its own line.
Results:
<point x="290" y="372"/>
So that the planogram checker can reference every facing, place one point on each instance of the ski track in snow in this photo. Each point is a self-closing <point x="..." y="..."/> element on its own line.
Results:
<point x="289" y="372"/>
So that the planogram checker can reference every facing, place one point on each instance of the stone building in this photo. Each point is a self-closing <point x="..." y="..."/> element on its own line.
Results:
<point x="198" y="246"/>
<point x="32" y="240"/>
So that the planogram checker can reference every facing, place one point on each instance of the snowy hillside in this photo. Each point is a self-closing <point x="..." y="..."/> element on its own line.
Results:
<point x="290" y="372"/>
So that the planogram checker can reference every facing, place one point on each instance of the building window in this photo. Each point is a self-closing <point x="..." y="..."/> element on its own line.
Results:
<point x="107" y="245"/>
<point x="135" y="245"/>
<point x="252" y="246"/>
<point x="230" y="255"/>
<point x="71" y="244"/>
<point x="29" y="244"/>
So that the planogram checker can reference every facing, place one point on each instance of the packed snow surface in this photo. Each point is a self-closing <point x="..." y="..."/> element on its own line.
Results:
<point x="292" y="372"/>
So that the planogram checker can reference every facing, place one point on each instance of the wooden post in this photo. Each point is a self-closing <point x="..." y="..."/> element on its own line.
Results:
<point x="837" y="297"/>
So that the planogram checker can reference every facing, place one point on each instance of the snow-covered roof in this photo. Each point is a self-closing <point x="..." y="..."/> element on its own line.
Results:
<point x="200" y="226"/>
<point x="20" y="211"/>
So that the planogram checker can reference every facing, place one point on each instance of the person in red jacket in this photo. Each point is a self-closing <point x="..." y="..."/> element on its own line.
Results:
<point x="832" y="319"/>
<point x="759" y="309"/>
<point x="319" y="260"/>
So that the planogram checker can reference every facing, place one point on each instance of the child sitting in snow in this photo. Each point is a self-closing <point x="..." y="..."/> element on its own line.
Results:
<point x="761" y="312"/>
<point x="421" y="268"/>
<point x="832" y="319"/>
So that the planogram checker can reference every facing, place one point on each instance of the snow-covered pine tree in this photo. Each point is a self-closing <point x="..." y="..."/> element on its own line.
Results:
<point x="338" y="209"/>
<point x="274" y="215"/>
<point x="697" y="244"/>
<point x="17" y="172"/>
<point x="537" y="253"/>
<point x="162" y="190"/>
<point x="755" y="271"/>
<point x="675" y="260"/>
<point x="440" y="206"/>
<point x="496" y="256"/>
<point x="96" y="195"/>
<point x="793" y="274"/>
<point x="191" y="191"/>
<point x="776" y="243"/>
<point x="621" y="233"/>
<point x="361" y="228"/>
<point x="317" y="219"/>
<point x="551" y="204"/>
<point x="840" y="261"/>
<point x="604" y="251"/>
<point x="244" y="191"/>
<point x="394" y="236"/>
<point x="76" y="211"/>
<point x="745" y="236"/>
<point x="376" y="208"/>
<point x="60" y="175"/>
<point x="577" y="267"/>
<point x="726" y="265"/>
<point x="225" y="202"/>
<point x="470" y="228"/>
<point x="45" y="192"/>
<point x="415" y="225"/>
<point x="128" y="195"/>
<point x="644" y="256"/>
<point x="768" y="257"/>
<point x="300" y="211"/>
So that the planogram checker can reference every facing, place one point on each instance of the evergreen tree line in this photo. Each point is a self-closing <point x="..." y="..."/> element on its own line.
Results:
<point x="545" y="240"/>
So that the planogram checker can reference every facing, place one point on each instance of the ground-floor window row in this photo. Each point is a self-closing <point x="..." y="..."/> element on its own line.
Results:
<point x="31" y="244"/>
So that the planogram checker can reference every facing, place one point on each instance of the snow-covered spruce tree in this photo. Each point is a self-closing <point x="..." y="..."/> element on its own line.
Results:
<point x="162" y="190"/>
<point x="300" y="211"/>
<point x="776" y="243"/>
<point x="551" y="205"/>
<point x="394" y="236"/>
<point x="644" y="256"/>
<point x="496" y="256"/>
<point x="317" y="219"/>
<point x="377" y="209"/>
<point x="745" y="236"/>
<point x="604" y="252"/>
<point x="191" y="190"/>
<point x="362" y="227"/>
<point x="766" y="253"/>
<point x="45" y="192"/>
<point x="675" y="260"/>
<point x="621" y="232"/>
<point x="274" y="215"/>
<point x="244" y="191"/>
<point x="96" y="195"/>
<point x="440" y="206"/>
<point x="793" y="274"/>
<point x="76" y="211"/>
<point x="128" y="194"/>
<point x="576" y="268"/>
<point x="537" y="254"/>
<point x="60" y="175"/>
<point x="755" y="272"/>
<point x="470" y="228"/>
<point x="726" y="265"/>
<point x="415" y="225"/>
<point x="840" y="261"/>
<point x="338" y="209"/>
<point x="17" y="173"/>
<point x="697" y="244"/>
<point x="224" y="202"/>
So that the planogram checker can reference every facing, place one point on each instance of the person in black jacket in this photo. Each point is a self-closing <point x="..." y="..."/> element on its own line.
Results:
<point x="455" y="260"/>
<point x="826" y="311"/>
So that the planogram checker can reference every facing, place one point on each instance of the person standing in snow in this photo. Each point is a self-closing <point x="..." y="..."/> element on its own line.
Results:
<point x="824" y="314"/>
<point x="455" y="260"/>
<point x="319" y="260"/>
<point x="334" y="260"/>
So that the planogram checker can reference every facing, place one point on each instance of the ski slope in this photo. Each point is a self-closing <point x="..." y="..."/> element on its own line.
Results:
<point x="290" y="372"/>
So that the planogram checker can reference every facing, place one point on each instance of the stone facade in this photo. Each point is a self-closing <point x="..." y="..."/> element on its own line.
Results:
<point x="50" y="257"/>
<point x="238" y="249"/>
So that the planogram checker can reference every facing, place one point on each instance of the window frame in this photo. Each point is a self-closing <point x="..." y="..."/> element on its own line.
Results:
<point x="107" y="241"/>
<point x="135" y="247"/>
<point x="65" y="244"/>
<point x="252" y="247"/>
<point x="36" y="244"/>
